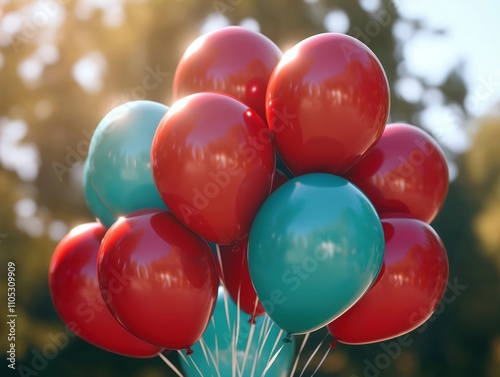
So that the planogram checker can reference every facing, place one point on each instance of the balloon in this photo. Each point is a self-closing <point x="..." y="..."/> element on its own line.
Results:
<point x="218" y="340"/>
<point x="158" y="278"/>
<point x="213" y="163"/>
<point x="94" y="203"/>
<point x="119" y="164"/>
<point x="315" y="247"/>
<point x="410" y="286"/>
<point x="327" y="103"/>
<point x="76" y="296"/>
<point x="230" y="60"/>
<point x="234" y="268"/>
<point x="236" y="278"/>
<point x="405" y="172"/>
<point x="279" y="180"/>
<point x="280" y="165"/>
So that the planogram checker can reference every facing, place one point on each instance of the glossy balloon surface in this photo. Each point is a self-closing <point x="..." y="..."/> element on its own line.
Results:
<point x="327" y="103"/>
<point x="158" y="278"/>
<point x="213" y="163"/>
<point x="314" y="249"/>
<point x="218" y="339"/>
<point x="234" y="268"/>
<point x="405" y="172"/>
<point x="119" y="157"/>
<point x="78" y="301"/>
<point x="410" y="286"/>
<point x="280" y="165"/>
<point x="230" y="60"/>
<point x="236" y="278"/>
<point x="94" y="203"/>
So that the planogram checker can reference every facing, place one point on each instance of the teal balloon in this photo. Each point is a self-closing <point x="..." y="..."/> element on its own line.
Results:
<point x="94" y="203"/>
<point x="315" y="247"/>
<point x="218" y="335"/>
<point x="119" y="157"/>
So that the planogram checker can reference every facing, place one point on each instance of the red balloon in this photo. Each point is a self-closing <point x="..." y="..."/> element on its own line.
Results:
<point x="236" y="278"/>
<point x="234" y="269"/>
<point x="231" y="60"/>
<point x="158" y="278"/>
<point x="408" y="289"/>
<point x="327" y="103"/>
<point x="78" y="301"/>
<point x="213" y="163"/>
<point x="405" y="172"/>
<point x="279" y="179"/>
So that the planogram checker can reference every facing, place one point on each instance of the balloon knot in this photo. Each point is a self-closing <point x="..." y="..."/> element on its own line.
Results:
<point x="252" y="320"/>
<point x="288" y="338"/>
<point x="167" y="351"/>
<point x="333" y="343"/>
<point x="189" y="351"/>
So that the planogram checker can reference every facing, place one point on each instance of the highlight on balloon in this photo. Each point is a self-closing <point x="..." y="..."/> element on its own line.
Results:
<point x="270" y="206"/>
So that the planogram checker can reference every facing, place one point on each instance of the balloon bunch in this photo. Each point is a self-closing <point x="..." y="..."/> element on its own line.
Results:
<point x="192" y="196"/>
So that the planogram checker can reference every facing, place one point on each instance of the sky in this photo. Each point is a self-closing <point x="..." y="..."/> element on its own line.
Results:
<point x="471" y="36"/>
<point x="468" y="41"/>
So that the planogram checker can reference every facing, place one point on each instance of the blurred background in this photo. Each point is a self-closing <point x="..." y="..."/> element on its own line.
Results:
<point x="65" y="63"/>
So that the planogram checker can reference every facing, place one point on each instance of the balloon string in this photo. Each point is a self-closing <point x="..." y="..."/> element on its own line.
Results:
<point x="253" y="317"/>
<point x="304" y="341"/>
<point x="169" y="363"/>
<point x="192" y="361"/>
<point x="233" y="353"/>
<point x="322" y="360"/>
<point x="238" y="324"/>
<point x="216" y="342"/>
<point x="263" y="329"/>
<point x="247" y="349"/>
<point x="205" y="348"/>
<point x="204" y="352"/>
<point x="224" y="290"/>
<point x="312" y="355"/>
<point x="226" y="309"/>
<point x="262" y="339"/>
<point x="183" y="357"/>
<point x="269" y="325"/>
<point x="278" y="338"/>
<point x="271" y="362"/>
<point x="219" y="259"/>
